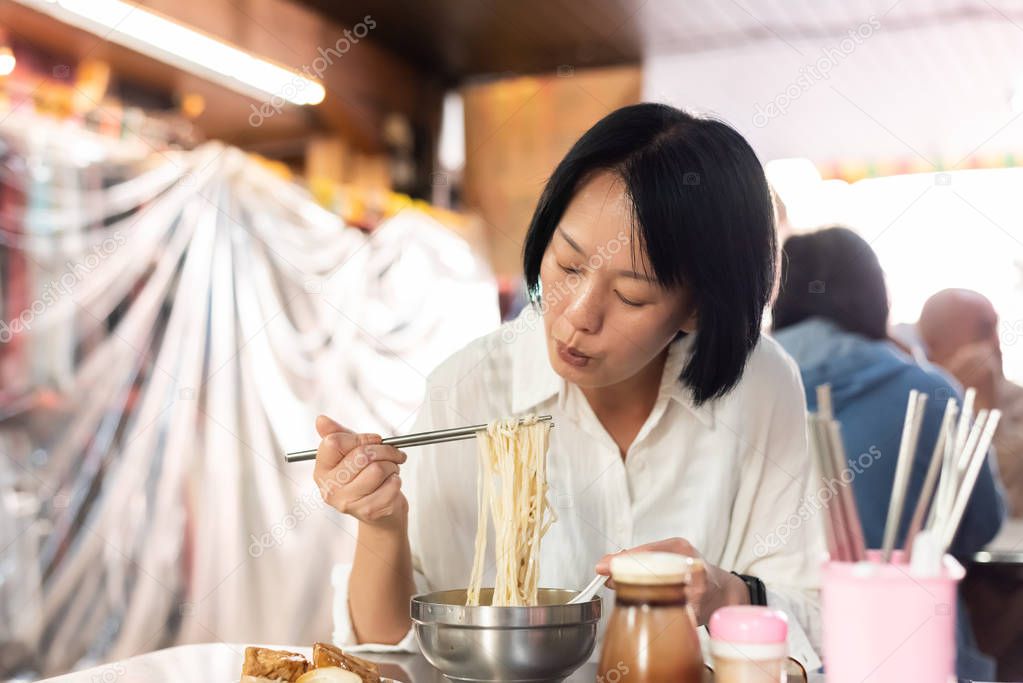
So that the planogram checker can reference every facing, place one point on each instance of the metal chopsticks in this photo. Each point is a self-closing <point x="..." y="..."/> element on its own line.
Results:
<point x="418" y="439"/>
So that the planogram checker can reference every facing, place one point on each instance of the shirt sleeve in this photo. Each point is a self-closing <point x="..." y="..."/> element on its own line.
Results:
<point x="776" y="532"/>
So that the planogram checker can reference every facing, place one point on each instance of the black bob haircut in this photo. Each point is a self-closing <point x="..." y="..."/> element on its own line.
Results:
<point x="703" y="214"/>
<point x="833" y="274"/>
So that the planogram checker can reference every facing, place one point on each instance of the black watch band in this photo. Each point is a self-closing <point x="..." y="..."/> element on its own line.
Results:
<point x="757" y="591"/>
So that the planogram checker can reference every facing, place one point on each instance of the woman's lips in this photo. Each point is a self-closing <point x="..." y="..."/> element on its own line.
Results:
<point x="572" y="357"/>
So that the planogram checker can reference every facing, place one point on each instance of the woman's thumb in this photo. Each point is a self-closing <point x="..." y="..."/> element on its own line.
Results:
<point x="325" y="426"/>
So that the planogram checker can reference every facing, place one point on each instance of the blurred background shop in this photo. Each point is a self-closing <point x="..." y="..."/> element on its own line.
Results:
<point x="221" y="218"/>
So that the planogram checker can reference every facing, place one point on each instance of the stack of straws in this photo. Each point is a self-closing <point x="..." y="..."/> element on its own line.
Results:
<point x="958" y="455"/>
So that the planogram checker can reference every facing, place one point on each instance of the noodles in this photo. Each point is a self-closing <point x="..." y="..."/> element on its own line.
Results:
<point x="513" y="488"/>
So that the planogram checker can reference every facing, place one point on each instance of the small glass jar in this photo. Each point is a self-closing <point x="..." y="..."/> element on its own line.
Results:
<point x="650" y="636"/>
<point x="749" y="644"/>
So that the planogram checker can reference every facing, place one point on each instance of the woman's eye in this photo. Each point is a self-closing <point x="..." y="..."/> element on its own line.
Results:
<point x="628" y="302"/>
<point x="570" y="269"/>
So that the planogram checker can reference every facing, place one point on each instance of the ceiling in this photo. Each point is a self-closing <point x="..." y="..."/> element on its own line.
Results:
<point x="361" y="90"/>
<point x="460" y="39"/>
<point x="224" y="108"/>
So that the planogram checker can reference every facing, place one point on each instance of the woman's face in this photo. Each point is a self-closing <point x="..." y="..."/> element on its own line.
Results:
<point x="605" y="316"/>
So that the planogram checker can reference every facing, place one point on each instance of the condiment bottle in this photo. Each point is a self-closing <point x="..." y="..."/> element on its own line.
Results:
<point x="749" y="644"/>
<point x="650" y="637"/>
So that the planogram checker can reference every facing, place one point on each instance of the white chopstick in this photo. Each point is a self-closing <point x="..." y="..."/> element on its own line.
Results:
<point x="907" y="450"/>
<point x="945" y="436"/>
<point x="965" y="419"/>
<point x="948" y="479"/>
<point x="824" y="406"/>
<point x="976" y="460"/>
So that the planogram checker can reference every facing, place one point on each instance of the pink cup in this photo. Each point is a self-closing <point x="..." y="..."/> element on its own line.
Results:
<point x="884" y="625"/>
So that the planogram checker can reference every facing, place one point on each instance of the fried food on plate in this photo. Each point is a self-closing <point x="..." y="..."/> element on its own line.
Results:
<point x="263" y="665"/>
<point x="329" y="665"/>
<point x="329" y="674"/>
<point x="326" y="655"/>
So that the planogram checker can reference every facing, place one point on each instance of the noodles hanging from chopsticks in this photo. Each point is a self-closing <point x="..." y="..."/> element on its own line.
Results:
<point x="512" y="489"/>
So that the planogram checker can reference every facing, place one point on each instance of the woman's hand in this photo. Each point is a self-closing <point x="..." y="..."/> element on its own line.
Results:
<point x="358" y="475"/>
<point x="719" y="588"/>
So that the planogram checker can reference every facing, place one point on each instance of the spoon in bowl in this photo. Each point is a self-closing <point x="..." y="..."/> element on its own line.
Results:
<point x="591" y="589"/>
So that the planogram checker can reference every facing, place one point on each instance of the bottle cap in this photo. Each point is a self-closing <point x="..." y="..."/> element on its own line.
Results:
<point x="749" y="624"/>
<point x="652" y="568"/>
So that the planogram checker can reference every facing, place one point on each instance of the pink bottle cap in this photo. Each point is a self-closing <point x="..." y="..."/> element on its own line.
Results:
<point x="749" y="624"/>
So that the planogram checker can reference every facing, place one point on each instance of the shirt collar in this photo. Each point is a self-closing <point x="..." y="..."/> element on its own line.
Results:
<point x="534" y="380"/>
<point x="672" y="386"/>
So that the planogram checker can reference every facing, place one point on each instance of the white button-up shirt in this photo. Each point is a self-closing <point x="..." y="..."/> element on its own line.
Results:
<point x="732" y="476"/>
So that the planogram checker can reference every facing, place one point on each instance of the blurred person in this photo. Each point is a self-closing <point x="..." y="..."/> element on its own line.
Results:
<point x="958" y="330"/>
<point x="831" y="315"/>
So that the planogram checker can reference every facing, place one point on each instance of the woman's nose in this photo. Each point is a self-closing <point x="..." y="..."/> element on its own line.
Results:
<point x="585" y="311"/>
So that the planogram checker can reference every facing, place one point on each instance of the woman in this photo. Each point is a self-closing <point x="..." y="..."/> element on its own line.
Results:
<point x="832" y="316"/>
<point x="649" y="259"/>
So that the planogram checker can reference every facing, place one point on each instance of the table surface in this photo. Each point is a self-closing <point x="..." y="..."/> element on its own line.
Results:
<point x="1006" y="547"/>
<point x="222" y="663"/>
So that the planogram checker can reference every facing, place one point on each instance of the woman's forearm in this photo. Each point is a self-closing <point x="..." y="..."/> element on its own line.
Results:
<point x="381" y="583"/>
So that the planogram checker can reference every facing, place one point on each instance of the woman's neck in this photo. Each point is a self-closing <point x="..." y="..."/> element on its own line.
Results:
<point x="622" y="408"/>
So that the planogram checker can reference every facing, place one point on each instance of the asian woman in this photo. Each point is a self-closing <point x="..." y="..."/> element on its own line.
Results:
<point x="649" y="259"/>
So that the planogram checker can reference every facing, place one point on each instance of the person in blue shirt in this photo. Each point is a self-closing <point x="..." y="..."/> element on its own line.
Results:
<point x="831" y="316"/>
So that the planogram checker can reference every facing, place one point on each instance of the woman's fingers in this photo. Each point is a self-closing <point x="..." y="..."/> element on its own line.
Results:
<point x="335" y="447"/>
<point x="356" y="473"/>
<point x="361" y="472"/>
<point x="370" y="478"/>
<point x="381" y="503"/>
<point x="708" y="589"/>
<point x="362" y="457"/>
<point x="668" y="545"/>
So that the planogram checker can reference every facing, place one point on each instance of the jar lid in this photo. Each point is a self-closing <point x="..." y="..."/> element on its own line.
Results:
<point x="652" y="568"/>
<point x="749" y="624"/>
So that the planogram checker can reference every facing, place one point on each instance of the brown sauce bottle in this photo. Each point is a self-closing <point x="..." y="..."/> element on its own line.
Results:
<point x="650" y="636"/>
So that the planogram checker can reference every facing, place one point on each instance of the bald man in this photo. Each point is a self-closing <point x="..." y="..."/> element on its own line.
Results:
<point x="959" y="331"/>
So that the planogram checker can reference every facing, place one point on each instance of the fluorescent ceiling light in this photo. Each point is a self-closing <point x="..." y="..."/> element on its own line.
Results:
<point x="185" y="48"/>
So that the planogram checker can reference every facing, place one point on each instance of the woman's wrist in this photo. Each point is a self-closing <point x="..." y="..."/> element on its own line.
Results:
<point x="395" y="523"/>
<point x="736" y="592"/>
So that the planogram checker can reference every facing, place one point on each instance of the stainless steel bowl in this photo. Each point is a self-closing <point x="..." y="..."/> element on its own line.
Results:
<point x="542" y="643"/>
